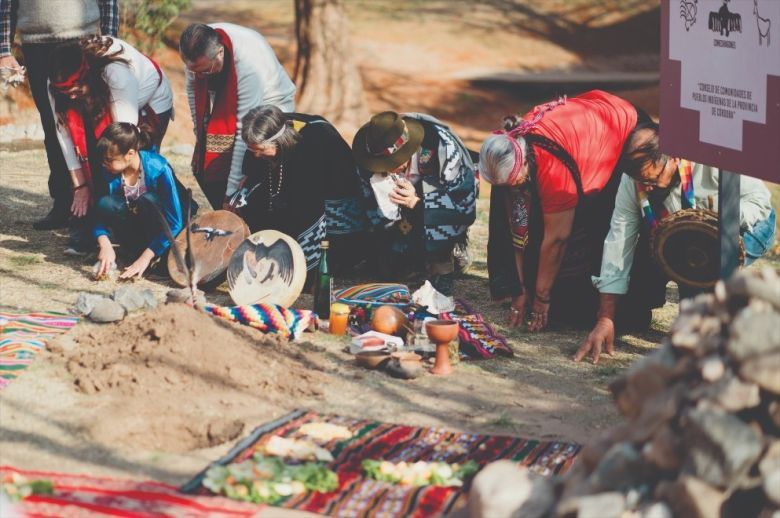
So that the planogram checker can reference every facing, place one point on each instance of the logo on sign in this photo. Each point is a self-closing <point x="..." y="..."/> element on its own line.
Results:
<point x="688" y="10"/>
<point x="724" y="21"/>
<point x="764" y="25"/>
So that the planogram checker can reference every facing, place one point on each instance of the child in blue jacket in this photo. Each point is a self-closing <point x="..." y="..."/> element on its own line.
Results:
<point x="134" y="180"/>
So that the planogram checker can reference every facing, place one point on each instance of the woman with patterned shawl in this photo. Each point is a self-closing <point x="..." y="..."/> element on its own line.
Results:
<point x="301" y="180"/>
<point x="420" y="190"/>
<point x="555" y="175"/>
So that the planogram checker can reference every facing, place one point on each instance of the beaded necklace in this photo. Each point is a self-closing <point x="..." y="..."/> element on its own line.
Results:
<point x="271" y="193"/>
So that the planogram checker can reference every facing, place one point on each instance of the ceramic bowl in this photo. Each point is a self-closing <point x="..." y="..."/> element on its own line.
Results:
<point x="441" y="331"/>
<point x="372" y="359"/>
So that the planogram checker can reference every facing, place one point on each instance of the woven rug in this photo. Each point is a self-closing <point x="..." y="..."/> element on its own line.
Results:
<point x="359" y="496"/>
<point x="23" y="336"/>
<point x="86" y="496"/>
<point x="478" y="339"/>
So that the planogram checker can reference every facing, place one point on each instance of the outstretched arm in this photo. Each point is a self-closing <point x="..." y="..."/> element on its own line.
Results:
<point x="603" y="333"/>
<point x="557" y="229"/>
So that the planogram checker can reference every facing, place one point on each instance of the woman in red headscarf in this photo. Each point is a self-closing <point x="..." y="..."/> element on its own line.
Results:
<point x="93" y="83"/>
<point x="555" y="175"/>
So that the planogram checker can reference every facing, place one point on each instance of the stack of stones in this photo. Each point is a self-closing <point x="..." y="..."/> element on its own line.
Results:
<point x="702" y="431"/>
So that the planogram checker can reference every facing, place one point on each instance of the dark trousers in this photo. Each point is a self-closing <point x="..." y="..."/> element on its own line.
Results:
<point x="36" y="58"/>
<point x="133" y="229"/>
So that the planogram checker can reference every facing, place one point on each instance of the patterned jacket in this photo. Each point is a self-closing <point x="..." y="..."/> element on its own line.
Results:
<point x="449" y="198"/>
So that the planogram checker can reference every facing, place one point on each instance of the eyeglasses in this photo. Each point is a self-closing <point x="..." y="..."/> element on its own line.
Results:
<point x="653" y="182"/>
<point x="210" y="71"/>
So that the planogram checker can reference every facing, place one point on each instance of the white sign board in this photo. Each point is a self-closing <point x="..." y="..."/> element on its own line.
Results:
<point x="720" y="83"/>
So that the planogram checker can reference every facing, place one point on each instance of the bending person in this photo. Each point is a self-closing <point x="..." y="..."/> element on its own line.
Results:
<point x="555" y="177"/>
<point x="420" y="188"/>
<point x="136" y="181"/>
<point x="301" y="180"/>
<point x="230" y="70"/>
<point x="655" y="186"/>
<point x="92" y="84"/>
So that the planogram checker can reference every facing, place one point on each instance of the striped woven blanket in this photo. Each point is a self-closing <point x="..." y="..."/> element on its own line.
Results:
<point x="23" y="335"/>
<point x="359" y="496"/>
<point x="86" y="496"/>
<point x="268" y="318"/>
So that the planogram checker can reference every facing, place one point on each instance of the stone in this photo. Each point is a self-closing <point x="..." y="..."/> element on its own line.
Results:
<point x="639" y="385"/>
<point x="129" y="298"/>
<point x="769" y="467"/>
<point x="692" y="498"/>
<point x="506" y="489"/>
<point x="656" y="412"/>
<point x="621" y="469"/>
<point x="763" y="371"/>
<point x="86" y="302"/>
<point x="184" y="296"/>
<point x="773" y="412"/>
<point x="754" y="333"/>
<point x="150" y="301"/>
<point x="663" y="450"/>
<point x="764" y="286"/>
<point x="656" y="510"/>
<point x="601" y="505"/>
<point x="107" y="311"/>
<point x="712" y="368"/>
<point x="181" y="149"/>
<point x="720" y="447"/>
<point x="730" y="394"/>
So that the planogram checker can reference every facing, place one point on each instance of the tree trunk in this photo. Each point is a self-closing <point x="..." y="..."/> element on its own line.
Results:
<point x="328" y="80"/>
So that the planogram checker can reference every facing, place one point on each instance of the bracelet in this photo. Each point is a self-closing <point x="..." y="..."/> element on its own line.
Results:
<point x="80" y="186"/>
<point x="542" y="299"/>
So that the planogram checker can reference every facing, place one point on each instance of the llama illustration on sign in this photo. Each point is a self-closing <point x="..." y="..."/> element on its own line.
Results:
<point x="688" y="9"/>
<point x="764" y="25"/>
<point x="724" y="21"/>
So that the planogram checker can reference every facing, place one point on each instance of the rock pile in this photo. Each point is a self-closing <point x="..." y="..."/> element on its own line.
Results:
<point x="702" y="437"/>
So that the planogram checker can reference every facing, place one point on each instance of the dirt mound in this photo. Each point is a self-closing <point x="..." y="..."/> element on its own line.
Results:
<point x="177" y="379"/>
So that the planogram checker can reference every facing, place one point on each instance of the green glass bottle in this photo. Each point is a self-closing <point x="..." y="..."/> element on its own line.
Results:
<point x="324" y="287"/>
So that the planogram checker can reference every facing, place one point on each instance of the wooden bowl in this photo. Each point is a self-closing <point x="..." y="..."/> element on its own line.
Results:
<point x="372" y="359"/>
<point x="441" y="331"/>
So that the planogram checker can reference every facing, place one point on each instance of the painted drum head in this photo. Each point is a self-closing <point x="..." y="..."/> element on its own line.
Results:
<point x="214" y="237"/>
<point x="268" y="267"/>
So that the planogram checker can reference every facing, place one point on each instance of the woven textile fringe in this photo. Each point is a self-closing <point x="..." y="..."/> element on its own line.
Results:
<point x="268" y="318"/>
<point x="23" y="336"/>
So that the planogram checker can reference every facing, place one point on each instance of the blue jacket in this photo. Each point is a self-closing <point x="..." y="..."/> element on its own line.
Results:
<point x="158" y="176"/>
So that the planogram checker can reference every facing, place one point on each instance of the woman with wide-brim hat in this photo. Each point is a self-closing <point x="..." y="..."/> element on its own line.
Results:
<point x="420" y="189"/>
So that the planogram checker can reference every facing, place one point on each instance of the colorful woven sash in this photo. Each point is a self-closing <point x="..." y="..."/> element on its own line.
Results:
<point x="686" y="197"/>
<point x="268" y="318"/>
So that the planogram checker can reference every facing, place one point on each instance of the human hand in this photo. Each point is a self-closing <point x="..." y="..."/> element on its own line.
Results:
<point x="517" y="311"/>
<point x="80" y="203"/>
<point x="539" y="313"/>
<point x="138" y="268"/>
<point x="106" y="257"/>
<point x="603" y="333"/>
<point x="9" y="62"/>
<point x="228" y="207"/>
<point x="404" y="194"/>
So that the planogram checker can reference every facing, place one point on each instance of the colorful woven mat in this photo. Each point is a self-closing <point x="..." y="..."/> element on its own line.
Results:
<point x="359" y="496"/>
<point x="375" y="293"/>
<point x="268" y="318"/>
<point x="86" y="496"/>
<point x="478" y="339"/>
<point x="23" y="335"/>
